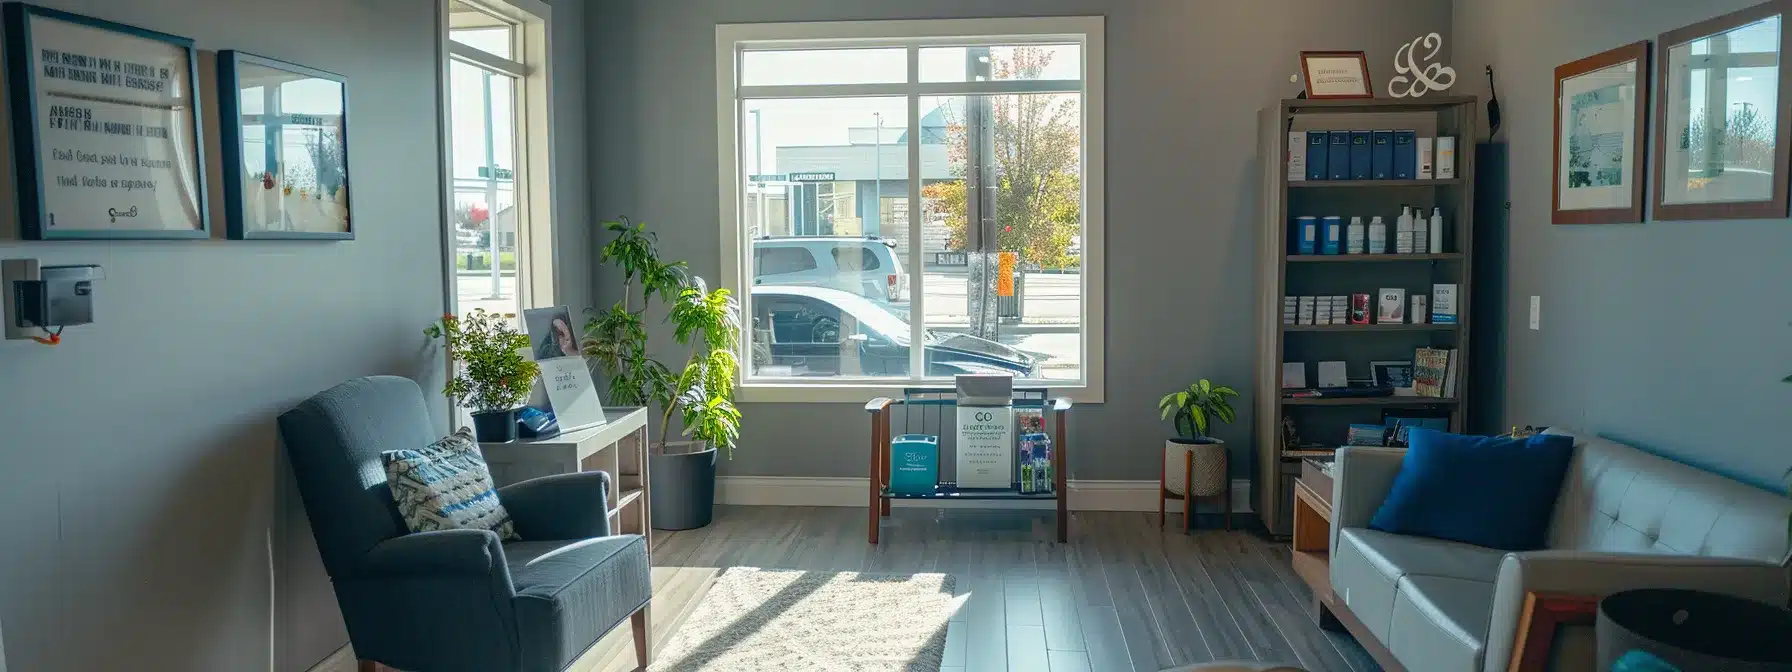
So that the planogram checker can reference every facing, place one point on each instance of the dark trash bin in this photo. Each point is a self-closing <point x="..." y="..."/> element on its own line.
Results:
<point x="1692" y="631"/>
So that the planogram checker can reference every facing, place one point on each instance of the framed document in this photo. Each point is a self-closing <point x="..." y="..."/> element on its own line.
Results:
<point x="105" y="128"/>
<point x="1601" y="109"/>
<point x="1336" y="74"/>
<point x="285" y="135"/>
<point x="1720" y="123"/>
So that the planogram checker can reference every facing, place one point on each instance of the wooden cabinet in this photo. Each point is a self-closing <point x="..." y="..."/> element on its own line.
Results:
<point x="618" y="448"/>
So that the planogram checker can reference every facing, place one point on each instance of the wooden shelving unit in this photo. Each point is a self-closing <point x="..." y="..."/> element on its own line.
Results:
<point x="1286" y="274"/>
<point x="618" y="447"/>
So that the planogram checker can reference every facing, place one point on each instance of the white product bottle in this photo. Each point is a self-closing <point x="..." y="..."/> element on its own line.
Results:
<point x="1403" y="231"/>
<point x="1354" y="237"/>
<point x="1421" y="234"/>
<point x="1378" y="236"/>
<point x="1437" y="230"/>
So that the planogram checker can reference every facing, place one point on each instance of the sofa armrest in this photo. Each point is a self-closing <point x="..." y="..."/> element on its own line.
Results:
<point x="1600" y="574"/>
<point x="1361" y="478"/>
<point x="437" y="553"/>
<point x="562" y="506"/>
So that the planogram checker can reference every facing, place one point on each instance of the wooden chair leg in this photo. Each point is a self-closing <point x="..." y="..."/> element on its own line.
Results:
<point x="1188" y="490"/>
<point x="643" y="638"/>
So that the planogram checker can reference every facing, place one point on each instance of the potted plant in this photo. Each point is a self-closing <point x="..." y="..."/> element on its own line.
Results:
<point x="701" y="395"/>
<point x="492" y="375"/>
<point x="1195" y="463"/>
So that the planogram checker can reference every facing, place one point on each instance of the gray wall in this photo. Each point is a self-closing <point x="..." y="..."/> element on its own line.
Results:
<point x="146" y="514"/>
<point x="1185" y="80"/>
<point x="574" y="255"/>
<point x="1669" y="335"/>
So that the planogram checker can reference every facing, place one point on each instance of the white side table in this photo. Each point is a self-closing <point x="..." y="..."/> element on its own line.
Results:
<point x="618" y="448"/>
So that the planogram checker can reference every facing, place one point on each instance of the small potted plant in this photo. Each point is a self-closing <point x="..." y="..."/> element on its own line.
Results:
<point x="492" y="375"/>
<point x="1194" y="409"/>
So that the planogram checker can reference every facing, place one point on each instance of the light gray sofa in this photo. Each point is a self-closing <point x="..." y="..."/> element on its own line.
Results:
<point x="1625" y="519"/>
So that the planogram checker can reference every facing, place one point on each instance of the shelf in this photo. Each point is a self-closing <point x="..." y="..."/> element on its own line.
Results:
<point x="1367" y="328"/>
<point x="1358" y="105"/>
<point x="626" y="499"/>
<point x="1370" y="258"/>
<point x="1368" y="401"/>
<point x="948" y="491"/>
<point x="1362" y="184"/>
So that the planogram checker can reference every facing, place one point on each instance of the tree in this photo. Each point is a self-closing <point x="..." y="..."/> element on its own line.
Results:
<point x="471" y="216"/>
<point x="1038" y="157"/>
<point x="1745" y="140"/>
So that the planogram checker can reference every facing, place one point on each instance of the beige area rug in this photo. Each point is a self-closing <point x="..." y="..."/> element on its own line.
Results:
<point x="790" y="620"/>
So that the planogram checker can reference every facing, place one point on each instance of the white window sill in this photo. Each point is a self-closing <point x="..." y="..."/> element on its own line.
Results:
<point x="859" y="393"/>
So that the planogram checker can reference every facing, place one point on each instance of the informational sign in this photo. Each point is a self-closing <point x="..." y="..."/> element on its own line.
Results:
<point x="491" y="173"/>
<point x="813" y="176"/>
<point x="768" y="177"/>
<point x="113" y="126"/>
<point x="565" y="377"/>
<point x="951" y="259"/>
<point x="985" y="447"/>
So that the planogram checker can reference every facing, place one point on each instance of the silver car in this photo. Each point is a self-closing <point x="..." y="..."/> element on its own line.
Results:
<point x="863" y="265"/>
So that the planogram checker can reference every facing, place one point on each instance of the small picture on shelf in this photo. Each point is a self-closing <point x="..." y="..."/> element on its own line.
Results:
<point x="1392" y="308"/>
<point x="1399" y="422"/>
<point x="1396" y="376"/>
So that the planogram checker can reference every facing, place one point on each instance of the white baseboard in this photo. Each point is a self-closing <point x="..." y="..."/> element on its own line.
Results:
<point x="1085" y="495"/>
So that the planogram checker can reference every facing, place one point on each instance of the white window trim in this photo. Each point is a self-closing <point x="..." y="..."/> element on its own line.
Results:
<point x="1090" y="31"/>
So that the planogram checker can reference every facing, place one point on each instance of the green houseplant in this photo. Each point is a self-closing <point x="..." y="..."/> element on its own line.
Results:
<point x="1195" y="463"/>
<point x="492" y="376"/>
<point x="701" y="394"/>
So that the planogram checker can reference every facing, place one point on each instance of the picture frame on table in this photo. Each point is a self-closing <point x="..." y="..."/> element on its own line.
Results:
<point x="1601" y="117"/>
<point x="284" y="131"/>
<point x="1336" y="75"/>
<point x="105" y="127"/>
<point x="1726" y="160"/>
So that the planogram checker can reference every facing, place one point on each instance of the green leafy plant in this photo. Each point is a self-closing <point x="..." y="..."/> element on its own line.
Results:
<point x="709" y="322"/>
<point x="616" y="338"/>
<point x="491" y="371"/>
<point x="1195" y="407"/>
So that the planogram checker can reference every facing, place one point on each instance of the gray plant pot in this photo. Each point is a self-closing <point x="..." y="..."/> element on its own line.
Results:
<point x="683" y="494"/>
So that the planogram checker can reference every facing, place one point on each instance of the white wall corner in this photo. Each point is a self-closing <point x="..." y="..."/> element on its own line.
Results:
<point x="1085" y="495"/>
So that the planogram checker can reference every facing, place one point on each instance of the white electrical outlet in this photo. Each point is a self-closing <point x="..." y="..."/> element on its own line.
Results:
<point x="1536" y="313"/>
<point x="11" y="271"/>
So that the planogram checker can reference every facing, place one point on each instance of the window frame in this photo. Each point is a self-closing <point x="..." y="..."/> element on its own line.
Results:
<point x="737" y="249"/>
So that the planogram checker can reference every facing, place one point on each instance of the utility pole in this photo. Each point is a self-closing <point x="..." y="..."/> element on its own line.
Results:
<point x="491" y="186"/>
<point x="877" y="159"/>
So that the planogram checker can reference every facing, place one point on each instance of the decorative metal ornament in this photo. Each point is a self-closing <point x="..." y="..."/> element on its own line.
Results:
<point x="1413" y="80"/>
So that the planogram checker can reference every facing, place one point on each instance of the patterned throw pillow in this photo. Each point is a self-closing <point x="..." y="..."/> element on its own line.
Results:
<point x="447" y="486"/>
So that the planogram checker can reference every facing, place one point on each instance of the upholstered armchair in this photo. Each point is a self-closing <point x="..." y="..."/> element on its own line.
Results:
<point x="453" y="600"/>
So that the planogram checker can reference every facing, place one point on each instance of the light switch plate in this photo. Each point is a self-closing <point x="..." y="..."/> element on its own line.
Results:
<point x="16" y="270"/>
<point x="1536" y="313"/>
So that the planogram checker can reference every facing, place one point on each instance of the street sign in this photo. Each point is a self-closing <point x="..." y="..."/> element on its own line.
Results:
<point x="503" y="173"/>
<point x="769" y="177"/>
<point x="951" y="259"/>
<point x="813" y="176"/>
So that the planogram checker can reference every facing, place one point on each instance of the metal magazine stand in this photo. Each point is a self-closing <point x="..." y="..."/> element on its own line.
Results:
<point x="935" y="409"/>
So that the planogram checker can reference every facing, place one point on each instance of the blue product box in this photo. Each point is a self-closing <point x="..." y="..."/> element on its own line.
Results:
<point x="1306" y="235"/>
<point x="1381" y="155"/>
<point x="1406" y="155"/>
<point x="1316" y="144"/>
<point x="914" y="464"/>
<point x="1360" y="162"/>
<point x="1331" y="235"/>
<point x="1337" y="157"/>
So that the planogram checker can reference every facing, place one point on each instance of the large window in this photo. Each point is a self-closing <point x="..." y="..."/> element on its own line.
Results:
<point x="904" y="201"/>
<point x="499" y="230"/>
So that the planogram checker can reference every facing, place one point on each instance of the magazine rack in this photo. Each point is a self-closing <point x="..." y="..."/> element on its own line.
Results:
<point x="917" y="404"/>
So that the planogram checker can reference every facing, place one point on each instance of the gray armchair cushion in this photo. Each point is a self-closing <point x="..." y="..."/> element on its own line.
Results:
<point x="563" y="506"/>
<point x="568" y="594"/>
<point x="1368" y="566"/>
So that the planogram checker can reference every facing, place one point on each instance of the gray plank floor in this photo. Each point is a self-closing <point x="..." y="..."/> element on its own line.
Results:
<point x="1121" y="595"/>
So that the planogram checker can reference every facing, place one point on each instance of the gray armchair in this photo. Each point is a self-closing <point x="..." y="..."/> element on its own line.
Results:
<point x="457" y="599"/>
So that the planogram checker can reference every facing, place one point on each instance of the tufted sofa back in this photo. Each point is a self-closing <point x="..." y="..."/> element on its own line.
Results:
<point x="1617" y="498"/>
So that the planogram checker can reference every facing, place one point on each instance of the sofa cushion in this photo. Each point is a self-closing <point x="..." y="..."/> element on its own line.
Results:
<point x="569" y="593"/>
<point x="1440" y="622"/>
<point x="1493" y="491"/>
<point x="1367" y="566"/>
<point x="445" y="486"/>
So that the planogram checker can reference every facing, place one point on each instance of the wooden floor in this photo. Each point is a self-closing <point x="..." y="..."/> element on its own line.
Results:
<point x="1122" y="595"/>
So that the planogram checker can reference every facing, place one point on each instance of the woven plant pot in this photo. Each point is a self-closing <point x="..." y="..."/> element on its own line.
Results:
<point x="1209" y="470"/>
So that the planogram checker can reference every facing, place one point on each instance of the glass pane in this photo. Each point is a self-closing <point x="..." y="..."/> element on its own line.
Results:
<point x="1012" y="302"/>
<point x="479" y="30"/>
<point x="828" y="295"/>
<point x="824" y="66"/>
<point x="485" y="216"/>
<point x="294" y="172"/>
<point x="997" y="63"/>
<point x="1722" y="94"/>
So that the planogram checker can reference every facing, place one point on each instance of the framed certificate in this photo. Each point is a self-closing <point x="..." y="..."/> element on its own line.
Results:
<point x="285" y="135"/>
<point x="106" y="128"/>
<point x="1336" y="74"/>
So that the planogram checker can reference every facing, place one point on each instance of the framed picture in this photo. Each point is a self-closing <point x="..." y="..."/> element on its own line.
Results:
<point x="1601" y="109"/>
<point x="106" y="128"/>
<point x="1719" y="121"/>
<point x="285" y="137"/>
<point x="1403" y="420"/>
<point x="1336" y="74"/>
<point x="1394" y="375"/>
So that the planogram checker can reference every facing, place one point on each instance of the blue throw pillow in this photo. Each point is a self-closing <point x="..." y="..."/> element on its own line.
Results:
<point x="1492" y="491"/>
